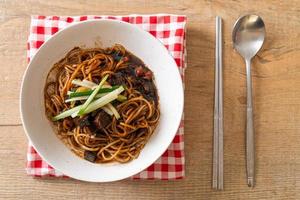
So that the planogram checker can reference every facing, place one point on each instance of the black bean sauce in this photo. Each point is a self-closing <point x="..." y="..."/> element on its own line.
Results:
<point x="141" y="76"/>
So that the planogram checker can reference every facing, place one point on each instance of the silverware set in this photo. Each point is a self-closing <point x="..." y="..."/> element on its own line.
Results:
<point x="248" y="36"/>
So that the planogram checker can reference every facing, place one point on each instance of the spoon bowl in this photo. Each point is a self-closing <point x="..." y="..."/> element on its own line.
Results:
<point x="248" y="35"/>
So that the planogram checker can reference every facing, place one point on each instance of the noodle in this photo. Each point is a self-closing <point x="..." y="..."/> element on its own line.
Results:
<point x="122" y="139"/>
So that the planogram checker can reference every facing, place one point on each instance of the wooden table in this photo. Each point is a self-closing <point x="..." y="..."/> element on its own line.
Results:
<point x="276" y="83"/>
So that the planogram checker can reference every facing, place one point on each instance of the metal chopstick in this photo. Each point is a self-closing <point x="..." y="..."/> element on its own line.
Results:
<point x="217" y="182"/>
<point x="220" y="146"/>
<point x="216" y="121"/>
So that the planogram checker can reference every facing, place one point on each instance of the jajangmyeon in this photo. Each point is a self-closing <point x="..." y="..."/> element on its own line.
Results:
<point x="102" y="103"/>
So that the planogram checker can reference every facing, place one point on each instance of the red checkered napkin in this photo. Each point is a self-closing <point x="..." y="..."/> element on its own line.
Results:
<point x="170" y="30"/>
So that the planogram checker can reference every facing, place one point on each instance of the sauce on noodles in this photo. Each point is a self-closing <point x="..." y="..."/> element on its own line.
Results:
<point x="99" y="136"/>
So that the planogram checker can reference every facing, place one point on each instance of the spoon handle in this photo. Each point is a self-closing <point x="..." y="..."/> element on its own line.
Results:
<point x="250" y="130"/>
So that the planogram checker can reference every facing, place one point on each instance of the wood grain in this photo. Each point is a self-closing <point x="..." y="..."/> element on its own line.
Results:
<point x="276" y="82"/>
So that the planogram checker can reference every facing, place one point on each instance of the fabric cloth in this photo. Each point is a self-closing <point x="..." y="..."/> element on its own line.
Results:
<point x="168" y="29"/>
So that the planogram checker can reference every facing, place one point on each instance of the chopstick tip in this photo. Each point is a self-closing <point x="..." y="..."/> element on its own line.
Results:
<point x="250" y="182"/>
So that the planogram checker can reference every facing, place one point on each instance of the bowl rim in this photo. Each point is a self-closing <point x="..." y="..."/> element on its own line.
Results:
<point x="44" y="45"/>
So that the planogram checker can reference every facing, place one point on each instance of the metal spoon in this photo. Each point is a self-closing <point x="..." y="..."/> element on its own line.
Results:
<point x="248" y="36"/>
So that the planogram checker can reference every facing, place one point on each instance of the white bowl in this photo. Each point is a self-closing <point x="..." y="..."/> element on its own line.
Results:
<point x="109" y="32"/>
